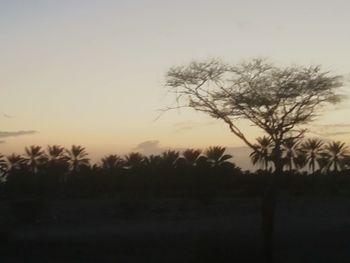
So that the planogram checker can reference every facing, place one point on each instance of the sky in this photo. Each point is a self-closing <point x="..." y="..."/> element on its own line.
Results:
<point x="92" y="73"/>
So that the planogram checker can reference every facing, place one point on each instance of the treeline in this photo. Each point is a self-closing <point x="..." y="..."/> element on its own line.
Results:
<point x="74" y="161"/>
<point x="57" y="172"/>
<point x="309" y="156"/>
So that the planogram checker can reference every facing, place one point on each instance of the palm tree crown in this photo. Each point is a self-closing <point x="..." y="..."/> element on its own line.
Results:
<point x="15" y="161"/>
<point x="313" y="149"/>
<point x="134" y="160"/>
<point x="77" y="157"/>
<point x="3" y="165"/>
<point x="291" y="153"/>
<point x="112" y="162"/>
<point x="34" y="157"/>
<point x="262" y="152"/>
<point x="337" y="152"/>
<point x="191" y="156"/>
<point x="216" y="155"/>
<point x="56" y="153"/>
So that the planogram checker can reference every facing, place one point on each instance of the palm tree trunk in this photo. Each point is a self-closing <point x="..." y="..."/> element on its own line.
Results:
<point x="335" y="166"/>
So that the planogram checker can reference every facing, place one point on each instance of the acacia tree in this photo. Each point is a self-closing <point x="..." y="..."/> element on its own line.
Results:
<point x="277" y="100"/>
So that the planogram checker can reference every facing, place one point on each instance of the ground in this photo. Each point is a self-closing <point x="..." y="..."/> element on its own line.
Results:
<point x="308" y="229"/>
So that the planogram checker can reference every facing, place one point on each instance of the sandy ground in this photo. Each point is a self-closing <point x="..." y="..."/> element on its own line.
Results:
<point x="179" y="230"/>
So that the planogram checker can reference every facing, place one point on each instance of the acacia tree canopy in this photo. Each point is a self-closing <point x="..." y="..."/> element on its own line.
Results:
<point x="277" y="100"/>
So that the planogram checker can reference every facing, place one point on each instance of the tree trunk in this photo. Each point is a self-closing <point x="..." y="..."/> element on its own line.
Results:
<point x="268" y="207"/>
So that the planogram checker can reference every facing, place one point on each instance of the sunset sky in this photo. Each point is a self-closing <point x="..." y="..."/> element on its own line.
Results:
<point x="92" y="72"/>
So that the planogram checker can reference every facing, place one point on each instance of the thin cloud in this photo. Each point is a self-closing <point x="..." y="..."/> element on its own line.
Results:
<point x="190" y="125"/>
<point x="327" y="130"/>
<point x="328" y="134"/>
<point x="7" y="116"/>
<point x="4" y="134"/>
<point x="152" y="144"/>
<point x="149" y="147"/>
<point x="336" y="125"/>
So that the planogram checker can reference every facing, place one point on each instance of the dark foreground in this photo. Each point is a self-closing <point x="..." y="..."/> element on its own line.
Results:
<point x="175" y="230"/>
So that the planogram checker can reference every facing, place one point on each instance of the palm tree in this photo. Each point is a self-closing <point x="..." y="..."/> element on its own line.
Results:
<point x="77" y="157"/>
<point x="3" y="166"/>
<point x="300" y="160"/>
<point x="323" y="161"/>
<point x="169" y="158"/>
<point x="57" y="162"/>
<point x="291" y="152"/>
<point x="15" y="162"/>
<point x="313" y="149"/>
<point x="112" y="162"/>
<point x="216" y="156"/>
<point x="261" y="154"/>
<point x="135" y="160"/>
<point x="34" y="157"/>
<point x="191" y="156"/>
<point x="153" y="162"/>
<point x="56" y="154"/>
<point x="337" y="152"/>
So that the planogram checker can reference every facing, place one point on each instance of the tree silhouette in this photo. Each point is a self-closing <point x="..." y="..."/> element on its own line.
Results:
<point x="169" y="159"/>
<point x="112" y="162"/>
<point x="3" y="166"/>
<point x="313" y="149"/>
<point x="336" y="153"/>
<point x="291" y="153"/>
<point x="15" y="162"/>
<point x="77" y="158"/>
<point x="134" y="160"/>
<point x="216" y="156"/>
<point x="191" y="156"/>
<point x="277" y="100"/>
<point x="34" y="157"/>
<point x="153" y="162"/>
<point x="262" y="153"/>
<point x="56" y="153"/>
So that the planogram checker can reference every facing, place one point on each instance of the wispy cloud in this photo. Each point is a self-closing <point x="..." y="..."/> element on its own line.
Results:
<point x="328" y="130"/>
<point x="190" y="125"/>
<point x="149" y="147"/>
<point x="4" y="134"/>
<point x="6" y="116"/>
<point x="146" y="145"/>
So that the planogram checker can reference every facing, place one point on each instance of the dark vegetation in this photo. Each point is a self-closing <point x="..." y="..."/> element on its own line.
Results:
<point x="211" y="203"/>
<point x="311" y="167"/>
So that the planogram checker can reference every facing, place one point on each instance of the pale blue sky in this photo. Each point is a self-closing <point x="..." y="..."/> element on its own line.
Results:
<point x="91" y="72"/>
